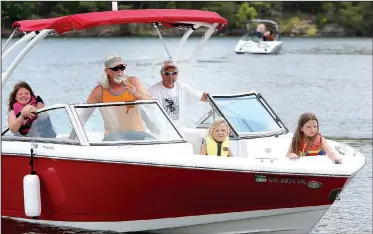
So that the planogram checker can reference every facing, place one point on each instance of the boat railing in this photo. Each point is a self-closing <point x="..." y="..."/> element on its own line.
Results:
<point x="34" y="40"/>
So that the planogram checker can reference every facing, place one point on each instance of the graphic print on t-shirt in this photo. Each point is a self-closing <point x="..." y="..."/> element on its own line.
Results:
<point x="171" y="106"/>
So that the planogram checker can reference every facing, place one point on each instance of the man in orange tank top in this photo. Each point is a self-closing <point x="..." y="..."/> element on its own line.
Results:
<point x="117" y="87"/>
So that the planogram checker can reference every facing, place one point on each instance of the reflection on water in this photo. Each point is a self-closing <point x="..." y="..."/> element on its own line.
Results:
<point x="331" y="77"/>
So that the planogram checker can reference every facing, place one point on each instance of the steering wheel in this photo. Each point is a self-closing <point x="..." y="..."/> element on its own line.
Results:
<point x="128" y="135"/>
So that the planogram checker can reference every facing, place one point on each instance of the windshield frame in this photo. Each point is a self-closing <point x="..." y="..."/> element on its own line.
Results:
<point x="127" y="142"/>
<point x="80" y="132"/>
<point x="240" y="135"/>
<point x="265" y="22"/>
<point x="74" y="124"/>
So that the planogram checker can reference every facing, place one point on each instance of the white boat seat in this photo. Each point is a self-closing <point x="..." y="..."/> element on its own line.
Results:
<point x="195" y="137"/>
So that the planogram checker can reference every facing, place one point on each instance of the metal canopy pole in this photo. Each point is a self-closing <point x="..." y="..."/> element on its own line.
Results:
<point x="27" y="37"/>
<point x="155" y="25"/>
<point x="11" y="36"/>
<point x="22" y="54"/>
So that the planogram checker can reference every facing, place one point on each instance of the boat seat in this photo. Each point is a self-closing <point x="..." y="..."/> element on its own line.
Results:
<point x="258" y="148"/>
<point x="195" y="137"/>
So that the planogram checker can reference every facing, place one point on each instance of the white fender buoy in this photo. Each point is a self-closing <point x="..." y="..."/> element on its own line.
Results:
<point x="31" y="195"/>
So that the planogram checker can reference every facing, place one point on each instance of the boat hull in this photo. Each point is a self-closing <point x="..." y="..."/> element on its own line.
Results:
<point x="293" y="220"/>
<point x="251" y="47"/>
<point x="126" y="197"/>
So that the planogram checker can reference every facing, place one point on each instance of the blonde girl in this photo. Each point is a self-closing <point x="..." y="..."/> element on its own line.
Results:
<point x="307" y="140"/>
<point x="217" y="140"/>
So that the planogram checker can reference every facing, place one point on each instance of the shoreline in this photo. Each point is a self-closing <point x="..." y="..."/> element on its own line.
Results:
<point x="177" y="35"/>
<point x="137" y="30"/>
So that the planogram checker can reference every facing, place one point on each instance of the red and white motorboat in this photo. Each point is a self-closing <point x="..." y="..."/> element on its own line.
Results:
<point x="160" y="183"/>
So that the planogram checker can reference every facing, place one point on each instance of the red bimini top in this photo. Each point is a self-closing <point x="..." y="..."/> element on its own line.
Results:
<point x="173" y="17"/>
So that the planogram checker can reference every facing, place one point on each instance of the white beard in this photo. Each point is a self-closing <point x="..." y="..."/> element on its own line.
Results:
<point x="119" y="78"/>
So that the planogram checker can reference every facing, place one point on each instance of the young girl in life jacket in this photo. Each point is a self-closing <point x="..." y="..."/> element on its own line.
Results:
<point x="217" y="140"/>
<point x="307" y="140"/>
<point x="22" y="106"/>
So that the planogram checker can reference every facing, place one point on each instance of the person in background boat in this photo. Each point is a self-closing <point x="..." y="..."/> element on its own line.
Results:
<point x="307" y="140"/>
<point x="22" y="107"/>
<point x="174" y="94"/>
<point x="269" y="35"/>
<point x="116" y="86"/>
<point x="260" y="30"/>
<point x="217" y="140"/>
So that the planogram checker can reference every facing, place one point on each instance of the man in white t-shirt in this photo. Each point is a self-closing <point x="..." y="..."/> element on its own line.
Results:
<point x="173" y="95"/>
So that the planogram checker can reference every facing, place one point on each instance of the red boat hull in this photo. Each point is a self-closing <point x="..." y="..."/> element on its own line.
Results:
<point x="92" y="191"/>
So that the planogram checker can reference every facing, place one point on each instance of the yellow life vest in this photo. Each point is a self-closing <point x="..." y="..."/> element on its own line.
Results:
<point x="212" y="147"/>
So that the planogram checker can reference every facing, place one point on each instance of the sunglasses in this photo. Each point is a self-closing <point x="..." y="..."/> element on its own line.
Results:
<point x="169" y="73"/>
<point x="122" y="68"/>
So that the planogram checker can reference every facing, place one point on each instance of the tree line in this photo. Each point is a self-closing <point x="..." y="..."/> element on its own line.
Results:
<point x="355" y="18"/>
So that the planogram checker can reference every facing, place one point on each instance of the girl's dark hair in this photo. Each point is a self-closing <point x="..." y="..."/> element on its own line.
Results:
<point x="298" y="134"/>
<point x="13" y="94"/>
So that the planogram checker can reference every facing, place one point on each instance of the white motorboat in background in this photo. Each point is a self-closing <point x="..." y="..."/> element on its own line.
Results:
<point x="249" y="43"/>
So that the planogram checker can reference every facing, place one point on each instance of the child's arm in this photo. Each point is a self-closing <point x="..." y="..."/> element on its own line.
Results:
<point x="203" y="150"/>
<point x="291" y="155"/>
<point x="330" y="152"/>
<point x="230" y="154"/>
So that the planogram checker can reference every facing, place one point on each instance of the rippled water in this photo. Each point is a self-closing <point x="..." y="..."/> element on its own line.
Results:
<point x="329" y="76"/>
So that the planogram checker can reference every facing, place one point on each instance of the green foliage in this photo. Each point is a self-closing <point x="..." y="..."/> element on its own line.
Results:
<point x="86" y="7"/>
<point x="321" y="20"/>
<point x="227" y="9"/>
<point x="124" y="7"/>
<point x="262" y="8"/>
<point x="244" y="13"/>
<point x="351" y="16"/>
<point x="287" y="26"/>
<point x="13" y="11"/>
<point x="367" y="14"/>
<point x="311" y="31"/>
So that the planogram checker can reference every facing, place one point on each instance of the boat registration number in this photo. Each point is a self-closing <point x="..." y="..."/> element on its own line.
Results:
<point x="281" y="180"/>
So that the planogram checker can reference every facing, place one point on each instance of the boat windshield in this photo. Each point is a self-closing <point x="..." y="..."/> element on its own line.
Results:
<point x="247" y="114"/>
<point x="252" y="36"/>
<point x="124" y="122"/>
<point x="53" y="124"/>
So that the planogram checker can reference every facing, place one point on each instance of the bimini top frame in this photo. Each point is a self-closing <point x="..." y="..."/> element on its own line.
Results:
<point x="263" y="21"/>
<point x="190" y="20"/>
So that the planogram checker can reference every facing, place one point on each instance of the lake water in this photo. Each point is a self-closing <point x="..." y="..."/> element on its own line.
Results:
<point x="331" y="77"/>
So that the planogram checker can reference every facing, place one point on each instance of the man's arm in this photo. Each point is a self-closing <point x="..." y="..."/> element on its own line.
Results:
<point x="194" y="95"/>
<point x="140" y="93"/>
<point x="204" y="97"/>
<point x="94" y="97"/>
